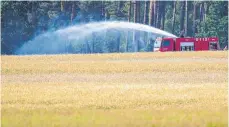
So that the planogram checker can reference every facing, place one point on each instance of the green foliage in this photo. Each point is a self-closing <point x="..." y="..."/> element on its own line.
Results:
<point x="216" y="23"/>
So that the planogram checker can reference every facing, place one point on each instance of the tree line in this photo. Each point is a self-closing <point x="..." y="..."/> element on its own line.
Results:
<point x="23" y="20"/>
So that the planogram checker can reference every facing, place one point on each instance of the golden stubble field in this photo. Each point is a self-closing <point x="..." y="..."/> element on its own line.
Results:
<point x="176" y="89"/>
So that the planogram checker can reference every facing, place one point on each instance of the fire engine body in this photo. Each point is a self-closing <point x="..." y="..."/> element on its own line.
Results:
<point x="187" y="44"/>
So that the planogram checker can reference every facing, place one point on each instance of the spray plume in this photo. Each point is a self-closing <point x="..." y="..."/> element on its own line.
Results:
<point x="78" y="35"/>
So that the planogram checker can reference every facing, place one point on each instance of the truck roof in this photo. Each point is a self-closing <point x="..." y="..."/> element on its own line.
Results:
<point x="193" y="39"/>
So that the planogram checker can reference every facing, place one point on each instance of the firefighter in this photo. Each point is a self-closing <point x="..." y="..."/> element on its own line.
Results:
<point x="182" y="34"/>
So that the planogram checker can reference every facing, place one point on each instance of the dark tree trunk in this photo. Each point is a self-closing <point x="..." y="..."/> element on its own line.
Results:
<point x="146" y="13"/>
<point x="151" y="13"/>
<point x="62" y="6"/>
<point x="174" y="14"/>
<point x="107" y="16"/>
<point x="118" y="12"/>
<point x="127" y="40"/>
<point x="182" y="15"/>
<point x="73" y="14"/>
<point x="127" y="34"/>
<point x="155" y="13"/>
<point x="186" y="18"/>
<point x="194" y="19"/>
<point x="201" y="11"/>
<point x="163" y="4"/>
<point x="103" y="13"/>
<point x="135" y="11"/>
<point x="139" y="21"/>
<point x="146" y="20"/>
<point x="134" y="32"/>
<point x="129" y="11"/>
<point x="138" y="12"/>
<point x="206" y="8"/>
<point x="121" y="3"/>
<point x="136" y="20"/>
<point x="34" y="19"/>
<point x="158" y="24"/>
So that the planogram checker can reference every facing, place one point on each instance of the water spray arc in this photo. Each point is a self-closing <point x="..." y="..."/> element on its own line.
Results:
<point x="79" y="35"/>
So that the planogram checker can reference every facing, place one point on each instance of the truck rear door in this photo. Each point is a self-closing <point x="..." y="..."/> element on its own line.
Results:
<point x="213" y="43"/>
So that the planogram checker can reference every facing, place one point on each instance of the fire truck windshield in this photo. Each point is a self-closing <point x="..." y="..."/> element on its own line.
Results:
<point x="165" y="43"/>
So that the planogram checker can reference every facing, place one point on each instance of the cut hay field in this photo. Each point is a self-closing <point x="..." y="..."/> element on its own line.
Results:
<point x="176" y="89"/>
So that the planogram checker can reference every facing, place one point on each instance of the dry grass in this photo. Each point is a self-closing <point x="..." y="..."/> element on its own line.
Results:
<point x="143" y="89"/>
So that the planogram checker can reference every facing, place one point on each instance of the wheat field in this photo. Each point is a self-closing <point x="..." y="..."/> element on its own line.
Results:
<point x="174" y="89"/>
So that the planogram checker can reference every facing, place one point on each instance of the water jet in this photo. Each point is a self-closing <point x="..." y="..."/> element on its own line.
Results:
<point x="77" y="38"/>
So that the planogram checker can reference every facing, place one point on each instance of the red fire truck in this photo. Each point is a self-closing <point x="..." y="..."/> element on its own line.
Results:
<point x="186" y="44"/>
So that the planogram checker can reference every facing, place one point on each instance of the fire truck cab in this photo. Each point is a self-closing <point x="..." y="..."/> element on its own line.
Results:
<point x="188" y="44"/>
